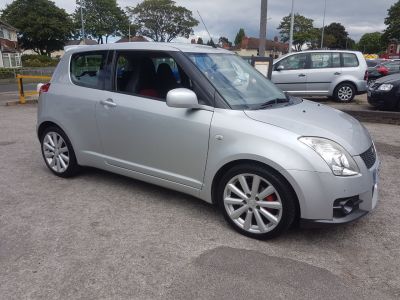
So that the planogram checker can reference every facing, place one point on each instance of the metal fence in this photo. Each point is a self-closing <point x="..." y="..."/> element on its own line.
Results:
<point x="12" y="73"/>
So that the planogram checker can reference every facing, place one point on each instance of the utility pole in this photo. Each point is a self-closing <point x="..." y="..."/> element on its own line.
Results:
<point x="263" y="28"/>
<point x="323" y="27"/>
<point x="291" y="29"/>
<point x="82" y="2"/>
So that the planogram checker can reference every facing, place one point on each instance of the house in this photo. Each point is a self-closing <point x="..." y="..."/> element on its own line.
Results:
<point x="250" y="45"/>
<point x="393" y="50"/>
<point x="10" y="54"/>
<point x="138" y="38"/>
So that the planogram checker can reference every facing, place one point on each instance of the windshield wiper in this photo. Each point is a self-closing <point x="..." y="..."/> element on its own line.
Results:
<point x="275" y="101"/>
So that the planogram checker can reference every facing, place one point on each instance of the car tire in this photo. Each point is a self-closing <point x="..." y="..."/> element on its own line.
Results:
<point x="58" y="153"/>
<point x="344" y="92"/>
<point x="264" y="213"/>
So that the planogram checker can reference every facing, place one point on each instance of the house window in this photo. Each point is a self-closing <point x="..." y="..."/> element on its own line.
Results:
<point x="13" y="60"/>
<point x="1" y="32"/>
<point x="6" y="60"/>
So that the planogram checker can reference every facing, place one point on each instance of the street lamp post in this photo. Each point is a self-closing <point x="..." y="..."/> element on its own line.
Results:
<point x="82" y="2"/>
<point x="263" y="28"/>
<point x="323" y="27"/>
<point x="291" y="29"/>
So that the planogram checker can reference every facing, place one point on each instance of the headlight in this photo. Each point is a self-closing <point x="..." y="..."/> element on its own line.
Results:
<point x="385" y="87"/>
<point x="337" y="158"/>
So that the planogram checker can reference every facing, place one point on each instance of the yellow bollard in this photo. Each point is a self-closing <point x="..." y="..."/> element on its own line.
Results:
<point x="21" y="92"/>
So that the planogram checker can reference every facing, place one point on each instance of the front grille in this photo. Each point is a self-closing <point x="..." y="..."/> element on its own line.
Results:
<point x="369" y="157"/>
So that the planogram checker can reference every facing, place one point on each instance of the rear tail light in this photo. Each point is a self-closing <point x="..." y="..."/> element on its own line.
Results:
<point x="383" y="70"/>
<point x="44" y="88"/>
<point x="366" y="76"/>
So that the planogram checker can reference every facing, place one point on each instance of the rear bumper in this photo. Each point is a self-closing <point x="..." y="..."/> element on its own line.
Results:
<point x="362" y="87"/>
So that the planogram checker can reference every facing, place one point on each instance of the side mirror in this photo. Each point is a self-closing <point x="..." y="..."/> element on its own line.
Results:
<point x="280" y="68"/>
<point x="182" y="98"/>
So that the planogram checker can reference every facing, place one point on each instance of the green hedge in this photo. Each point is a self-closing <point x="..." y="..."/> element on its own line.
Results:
<point x="32" y="60"/>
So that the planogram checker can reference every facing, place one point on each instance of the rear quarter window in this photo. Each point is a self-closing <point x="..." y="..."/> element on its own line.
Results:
<point x="350" y="60"/>
<point x="88" y="69"/>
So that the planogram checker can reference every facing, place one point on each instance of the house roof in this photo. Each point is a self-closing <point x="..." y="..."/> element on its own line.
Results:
<point x="251" y="43"/>
<point x="138" y="38"/>
<point x="78" y="42"/>
<point x="8" y="26"/>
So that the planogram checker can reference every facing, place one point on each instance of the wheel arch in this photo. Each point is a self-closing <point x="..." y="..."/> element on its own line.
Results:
<point x="42" y="127"/>
<point x="222" y="170"/>
<point x="346" y="81"/>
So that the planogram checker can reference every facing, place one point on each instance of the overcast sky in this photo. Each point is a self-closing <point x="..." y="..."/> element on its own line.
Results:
<point x="225" y="17"/>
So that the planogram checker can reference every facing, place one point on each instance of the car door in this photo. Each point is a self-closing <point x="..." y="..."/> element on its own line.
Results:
<point x="139" y="132"/>
<point x="324" y="68"/>
<point x="289" y="74"/>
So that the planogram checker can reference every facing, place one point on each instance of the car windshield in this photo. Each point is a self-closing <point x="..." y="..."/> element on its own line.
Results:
<point x="242" y="86"/>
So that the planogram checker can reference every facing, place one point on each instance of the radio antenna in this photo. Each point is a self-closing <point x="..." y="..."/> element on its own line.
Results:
<point x="211" y="40"/>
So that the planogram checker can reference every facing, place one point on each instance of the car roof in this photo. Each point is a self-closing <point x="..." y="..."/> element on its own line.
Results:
<point x="155" y="46"/>
<point x="317" y="51"/>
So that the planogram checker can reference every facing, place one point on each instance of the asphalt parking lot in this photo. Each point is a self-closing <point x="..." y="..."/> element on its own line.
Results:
<point x="104" y="236"/>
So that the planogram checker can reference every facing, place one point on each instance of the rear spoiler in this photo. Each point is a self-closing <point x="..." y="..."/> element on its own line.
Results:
<point x="68" y="48"/>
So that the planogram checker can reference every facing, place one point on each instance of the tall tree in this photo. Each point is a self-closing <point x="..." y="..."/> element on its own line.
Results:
<point x="239" y="37"/>
<point x="371" y="43"/>
<point x="42" y="26"/>
<point x="303" y="31"/>
<point x="393" y="23"/>
<point x="337" y="36"/>
<point x="162" y="20"/>
<point x="102" y="19"/>
<point x="200" y="41"/>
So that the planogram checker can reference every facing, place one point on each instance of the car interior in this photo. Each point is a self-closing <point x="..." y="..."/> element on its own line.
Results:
<point x="149" y="74"/>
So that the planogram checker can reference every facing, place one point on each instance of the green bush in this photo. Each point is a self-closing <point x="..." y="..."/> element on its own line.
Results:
<point x="32" y="60"/>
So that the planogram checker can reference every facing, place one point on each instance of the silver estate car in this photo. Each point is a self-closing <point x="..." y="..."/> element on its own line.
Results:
<point x="333" y="73"/>
<point x="202" y="121"/>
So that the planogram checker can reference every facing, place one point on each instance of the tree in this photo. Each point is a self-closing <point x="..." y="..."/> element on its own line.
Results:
<point x="371" y="43"/>
<point x="393" y="23"/>
<point x="102" y="18"/>
<point x="162" y="20"/>
<point x="200" y="41"/>
<point x="303" y="30"/>
<point x="335" y="36"/>
<point x="239" y="37"/>
<point x="42" y="26"/>
<point x="224" y="41"/>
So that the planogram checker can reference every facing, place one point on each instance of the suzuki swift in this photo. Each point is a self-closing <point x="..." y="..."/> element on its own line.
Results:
<point x="202" y="121"/>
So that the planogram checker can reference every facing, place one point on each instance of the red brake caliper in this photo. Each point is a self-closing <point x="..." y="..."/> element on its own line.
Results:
<point x="270" y="198"/>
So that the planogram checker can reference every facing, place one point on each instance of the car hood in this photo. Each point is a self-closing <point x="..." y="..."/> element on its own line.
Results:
<point x="312" y="119"/>
<point x="394" y="78"/>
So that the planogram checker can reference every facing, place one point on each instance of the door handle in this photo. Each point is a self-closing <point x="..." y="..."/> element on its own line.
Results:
<point x="337" y="73"/>
<point x="302" y="75"/>
<point x="109" y="102"/>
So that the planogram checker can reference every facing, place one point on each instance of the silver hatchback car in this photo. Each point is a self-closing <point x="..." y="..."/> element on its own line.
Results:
<point x="202" y="121"/>
<point x="334" y="73"/>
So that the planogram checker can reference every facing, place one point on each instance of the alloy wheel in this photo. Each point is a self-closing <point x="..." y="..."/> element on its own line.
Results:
<point x="252" y="203"/>
<point x="345" y="93"/>
<point x="56" y="152"/>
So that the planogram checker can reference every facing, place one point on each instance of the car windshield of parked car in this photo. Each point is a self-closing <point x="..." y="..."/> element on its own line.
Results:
<point x="242" y="86"/>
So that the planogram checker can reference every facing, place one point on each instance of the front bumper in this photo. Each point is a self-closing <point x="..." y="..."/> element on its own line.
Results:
<point x="382" y="99"/>
<point x="357" y="214"/>
<point x="319" y="192"/>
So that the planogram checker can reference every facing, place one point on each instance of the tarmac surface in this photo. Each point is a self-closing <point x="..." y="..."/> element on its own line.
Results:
<point x="104" y="236"/>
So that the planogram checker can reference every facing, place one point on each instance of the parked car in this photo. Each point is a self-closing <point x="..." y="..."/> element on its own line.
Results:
<point x="382" y="69"/>
<point x="337" y="74"/>
<point x="385" y="92"/>
<point x="218" y="130"/>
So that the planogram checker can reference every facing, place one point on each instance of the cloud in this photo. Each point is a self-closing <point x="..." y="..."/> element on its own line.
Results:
<point x="225" y="17"/>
